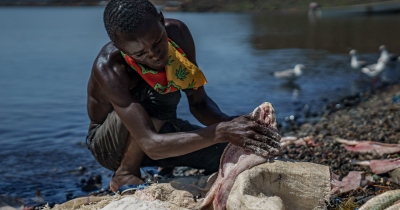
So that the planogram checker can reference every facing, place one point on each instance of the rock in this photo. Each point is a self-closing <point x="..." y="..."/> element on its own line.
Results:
<point x="395" y="176"/>
<point x="93" y="183"/>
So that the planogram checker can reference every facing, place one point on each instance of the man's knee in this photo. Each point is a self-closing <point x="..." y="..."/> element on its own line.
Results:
<point x="109" y="141"/>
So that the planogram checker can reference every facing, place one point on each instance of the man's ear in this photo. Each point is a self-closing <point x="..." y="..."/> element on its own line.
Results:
<point x="162" y="20"/>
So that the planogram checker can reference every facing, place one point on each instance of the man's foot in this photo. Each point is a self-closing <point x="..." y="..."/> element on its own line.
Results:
<point x="123" y="178"/>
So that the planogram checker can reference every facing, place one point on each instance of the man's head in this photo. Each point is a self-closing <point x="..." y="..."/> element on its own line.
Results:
<point x="137" y="29"/>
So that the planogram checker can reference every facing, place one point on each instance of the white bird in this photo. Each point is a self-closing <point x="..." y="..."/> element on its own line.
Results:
<point x="314" y="11"/>
<point x="384" y="53"/>
<point x="386" y="56"/>
<point x="374" y="70"/>
<point x="355" y="63"/>
<point x="290" y="74"/>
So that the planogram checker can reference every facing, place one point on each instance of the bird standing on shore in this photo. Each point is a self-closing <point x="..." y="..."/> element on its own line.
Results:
<point x="376" y="69"/>
<point x="290" y="74"/>
<point x="384" y="53"/>
<point x="355" y="63"/>
<point x="314" y="11"/>
<point x="386" y="56"/>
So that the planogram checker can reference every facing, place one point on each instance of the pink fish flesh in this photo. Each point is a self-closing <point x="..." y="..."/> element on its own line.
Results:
<point x="379" y="166"/>
<point x="350" y="182"/>
<point x="235" y="160"/>
<point x="369" y="146"/>
<point x="383" y="166"/>
<point x="360" y="162"/>
<point x="286" y="141"/>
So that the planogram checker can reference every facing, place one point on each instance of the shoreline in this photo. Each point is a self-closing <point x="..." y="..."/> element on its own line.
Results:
<point x="296" y="6"/>
<point x="370" y="116"/>
<point x="55" y="4"/>
<point x="331" y="124"/>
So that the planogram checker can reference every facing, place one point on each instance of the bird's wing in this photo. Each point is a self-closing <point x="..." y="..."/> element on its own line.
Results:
<point x="371" y="70"/>
<point x="285" y="74"/>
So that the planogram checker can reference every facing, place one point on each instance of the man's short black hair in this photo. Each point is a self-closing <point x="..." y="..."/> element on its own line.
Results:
<point x="124" y="16"/>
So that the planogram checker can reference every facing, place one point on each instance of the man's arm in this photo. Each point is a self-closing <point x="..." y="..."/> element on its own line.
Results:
<point x="205" y="109"/>
<point x="114" y="81"/>
<point x="201" y="106"/>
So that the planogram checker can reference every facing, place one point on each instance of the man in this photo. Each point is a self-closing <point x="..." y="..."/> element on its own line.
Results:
<point x="133" y="119"/>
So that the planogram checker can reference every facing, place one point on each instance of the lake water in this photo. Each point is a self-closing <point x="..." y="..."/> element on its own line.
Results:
<point x="47" y="54"/>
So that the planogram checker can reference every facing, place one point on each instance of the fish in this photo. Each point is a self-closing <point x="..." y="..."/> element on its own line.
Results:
<point x="286" y="141"/>
<point x="235" y="160"/>
<point x="369" y="147"/>
<point x="383" y="166"/>
<point x="360" y="162"/>
<point x="350" y="182"/>
<point x="382" y="201"/>
<point x="379" y="166"/>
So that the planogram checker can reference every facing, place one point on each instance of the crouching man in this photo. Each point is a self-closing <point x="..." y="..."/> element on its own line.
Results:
<point x="133" y="93"/>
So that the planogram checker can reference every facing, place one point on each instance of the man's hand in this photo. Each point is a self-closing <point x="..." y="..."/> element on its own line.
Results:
<point x="246" y="133"/>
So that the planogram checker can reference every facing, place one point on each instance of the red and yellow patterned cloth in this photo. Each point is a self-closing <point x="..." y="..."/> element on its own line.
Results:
<point x="179" y="74"/>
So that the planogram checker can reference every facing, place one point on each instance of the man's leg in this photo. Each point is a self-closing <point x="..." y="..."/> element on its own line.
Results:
<point x="129" y="169"/>
<point x="115" y="149"/>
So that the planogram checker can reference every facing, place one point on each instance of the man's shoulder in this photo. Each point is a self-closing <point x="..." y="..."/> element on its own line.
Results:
<point x="174" y="24"/>
<point x="110" y="65"/>
<point x="176" y="29"/>
<point x="108" y="58"/>
<point x="180" y="34"/>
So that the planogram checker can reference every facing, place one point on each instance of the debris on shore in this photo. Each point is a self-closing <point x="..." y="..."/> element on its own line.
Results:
<point x="376" y="119"/>
<point x="348" y="139"/>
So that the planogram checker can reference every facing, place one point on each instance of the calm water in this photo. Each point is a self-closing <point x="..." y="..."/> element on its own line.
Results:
<point x="47" y="53"/>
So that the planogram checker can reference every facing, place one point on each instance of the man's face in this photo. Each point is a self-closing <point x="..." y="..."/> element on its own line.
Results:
<point x="148" y="46"/>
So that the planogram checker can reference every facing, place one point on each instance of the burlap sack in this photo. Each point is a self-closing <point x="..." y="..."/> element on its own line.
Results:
<point x="281" y="184"/>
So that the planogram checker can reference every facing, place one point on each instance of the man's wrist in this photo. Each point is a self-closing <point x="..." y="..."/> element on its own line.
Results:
<point x="220" y="130"/>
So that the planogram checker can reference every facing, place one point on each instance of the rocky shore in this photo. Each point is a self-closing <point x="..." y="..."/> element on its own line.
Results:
<point x="372" y="116"/>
